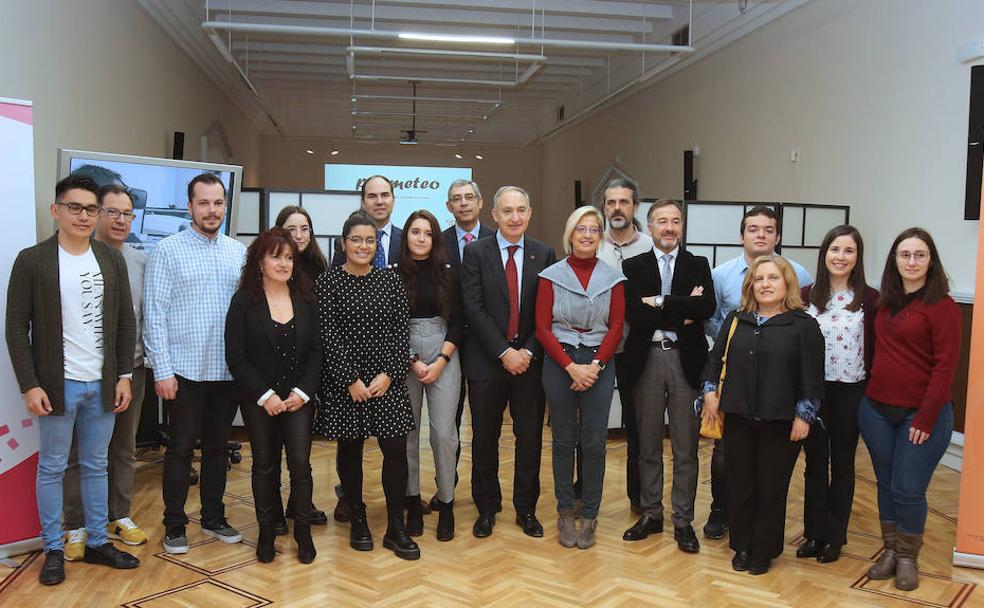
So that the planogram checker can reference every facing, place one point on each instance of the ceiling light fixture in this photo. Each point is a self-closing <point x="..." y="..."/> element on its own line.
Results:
<point x="457" y="155"/>
<point x="479" y="157"/>
<point x="310" y="151"/>
<point x="335" y="152"/>
<point x="456" y="38"/>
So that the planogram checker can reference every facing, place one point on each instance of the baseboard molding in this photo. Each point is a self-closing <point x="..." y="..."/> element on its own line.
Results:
<point x="968" y="560"/>
<point x="21" y="546"/>
<point x="953" y="457"/>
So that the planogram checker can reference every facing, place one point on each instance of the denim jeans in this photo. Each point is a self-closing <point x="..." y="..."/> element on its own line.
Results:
<point x="902" y="468"/>
<point x="93" y="428"/>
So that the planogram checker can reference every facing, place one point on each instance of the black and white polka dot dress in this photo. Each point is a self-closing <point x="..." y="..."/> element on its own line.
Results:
<point x="364" y="324"/>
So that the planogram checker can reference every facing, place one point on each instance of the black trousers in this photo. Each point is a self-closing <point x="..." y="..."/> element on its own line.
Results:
<point x="524" y="396"/>
<point x="349" y="466"/>
<point x="200" y="410"/>
<point x="266" y="435"/>
<point x="760" y="460"/>
<point x="828" y="499"/>
<point x="719" y="479"/>
<point x="631" y="434"/>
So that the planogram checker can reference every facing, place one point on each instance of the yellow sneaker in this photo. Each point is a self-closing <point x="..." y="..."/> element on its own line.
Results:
<point x="125" y="530"/>
<point x="75" y="545"/>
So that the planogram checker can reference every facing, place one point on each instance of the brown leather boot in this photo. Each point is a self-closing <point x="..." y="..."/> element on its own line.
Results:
<point x="907" y="569"/>
<point x="884" y="568"/>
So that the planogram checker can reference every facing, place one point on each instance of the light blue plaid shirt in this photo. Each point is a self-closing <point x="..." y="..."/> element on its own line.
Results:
<point x="188" y="285"/>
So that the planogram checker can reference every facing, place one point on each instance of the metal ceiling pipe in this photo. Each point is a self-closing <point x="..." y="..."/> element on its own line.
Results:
<point x="341" y="32"/>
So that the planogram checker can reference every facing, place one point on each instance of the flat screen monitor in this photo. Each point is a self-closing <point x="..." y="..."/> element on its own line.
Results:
<point x="158" y="186"/>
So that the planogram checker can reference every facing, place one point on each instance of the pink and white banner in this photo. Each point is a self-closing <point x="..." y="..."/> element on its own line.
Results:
<point x="19" y="525"/>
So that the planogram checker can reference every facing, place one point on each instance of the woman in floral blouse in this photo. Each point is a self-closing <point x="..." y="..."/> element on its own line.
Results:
<point x="845" y="308"/>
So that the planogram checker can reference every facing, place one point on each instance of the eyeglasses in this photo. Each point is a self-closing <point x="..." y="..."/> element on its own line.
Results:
<point x="77" y="208"/>
<point x="114" y="214"/>
<point x="592" y="230"/>
<point x="919" y="256"/>
<point x="358" y="241"/>
<point x="299" y="230"/>
<point x="457" y="198"/>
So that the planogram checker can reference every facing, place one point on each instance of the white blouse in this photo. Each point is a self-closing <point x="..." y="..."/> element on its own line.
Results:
<point x="843" y="334"/>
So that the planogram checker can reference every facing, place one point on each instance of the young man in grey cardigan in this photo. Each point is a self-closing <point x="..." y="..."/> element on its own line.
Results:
<point x="70" y="332"/>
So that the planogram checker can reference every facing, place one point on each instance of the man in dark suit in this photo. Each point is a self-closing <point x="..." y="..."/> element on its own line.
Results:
<point x="465" y="203"/>
<point x="669" y="295"/>
<point x="503" y="359"/>
<point x="377" y="202"/>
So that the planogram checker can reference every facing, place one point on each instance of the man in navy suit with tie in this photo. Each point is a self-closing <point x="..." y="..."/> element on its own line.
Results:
<point x="377" y="202"/>
<point x="502" y="358"/>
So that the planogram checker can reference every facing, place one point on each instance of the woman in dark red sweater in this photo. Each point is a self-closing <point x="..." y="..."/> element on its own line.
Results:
<point x="580" y="308"/>
<point x="906" y="417"/>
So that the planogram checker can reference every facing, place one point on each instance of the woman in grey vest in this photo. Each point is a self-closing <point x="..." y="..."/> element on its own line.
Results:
<point x="580" y="307"/>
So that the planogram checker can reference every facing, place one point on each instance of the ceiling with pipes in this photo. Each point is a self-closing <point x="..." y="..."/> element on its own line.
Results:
<point x="444" y="72"/>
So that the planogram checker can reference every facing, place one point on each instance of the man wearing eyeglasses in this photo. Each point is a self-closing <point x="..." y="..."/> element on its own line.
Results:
<point x="623" y="240"/>
<point x="191" y="277"/>
<point x="113" y="228"/>
<point x="668" y="296"/>
<point x="70" y="332"/>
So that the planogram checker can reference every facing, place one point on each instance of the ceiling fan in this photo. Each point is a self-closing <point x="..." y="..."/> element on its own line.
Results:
<point x="410" y="137"/>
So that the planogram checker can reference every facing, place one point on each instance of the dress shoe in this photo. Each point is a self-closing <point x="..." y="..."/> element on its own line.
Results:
<point x="343" y="511"/>
<point x="740" y="561"/>
<point x="108" y="555"/>
<point x="53" y="570"/>
<point x="264" y="543"/>
<point x="686" y="539"/>
<point x="759" y="565"/>
<point x="716" y="526"/>
<point x="530" y="524"/>
<point x="483" y="525"/>
<point x="829" y="553"/>
<point x="305" y="546"/>
<point x="445" y="520"/>
<point x="415" y="515"/>
<point x="647" y="524"/>
<point x="360" y="537"/>
<point x="280" y="527"/>
<point x="809" y="548"/>
<point x="399" y="541"/>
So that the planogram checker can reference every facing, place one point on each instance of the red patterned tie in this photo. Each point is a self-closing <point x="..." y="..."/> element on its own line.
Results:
<point x="469" y="237"/>
<point x="512" y="284"/>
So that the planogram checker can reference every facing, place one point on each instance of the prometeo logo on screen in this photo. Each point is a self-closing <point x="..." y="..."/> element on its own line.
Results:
<point x="414" y="184"/>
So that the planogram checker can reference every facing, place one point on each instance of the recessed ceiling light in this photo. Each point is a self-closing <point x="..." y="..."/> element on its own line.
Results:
<point x="479" y="156"/>
<point x="310" y="151"/>
<point x="457" y="155"/>
<point x="471" y="130"/>
<point x="334" y="152"/>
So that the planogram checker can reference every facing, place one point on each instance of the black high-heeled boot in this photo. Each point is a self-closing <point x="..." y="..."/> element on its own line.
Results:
<point x="305" y="546"/>
<point x="445" y="520"/>
<point x="360" y="537"/>
<point x="265" y="551"/>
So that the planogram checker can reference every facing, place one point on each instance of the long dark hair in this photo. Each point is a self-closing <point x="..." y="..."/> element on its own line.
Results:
<point x="937" y="284"/>
<point x="408" y="266"/>
<point x="274" y="240"/>
<point x="311" y="258"/>
<point x="820" y="292"/>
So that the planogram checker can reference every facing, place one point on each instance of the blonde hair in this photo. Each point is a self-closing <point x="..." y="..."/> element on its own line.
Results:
<point x="792" y="301"/>
<point x="575" y="218"/>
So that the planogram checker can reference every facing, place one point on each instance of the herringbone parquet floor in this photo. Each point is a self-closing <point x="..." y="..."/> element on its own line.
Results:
<point x="508" y="569"/>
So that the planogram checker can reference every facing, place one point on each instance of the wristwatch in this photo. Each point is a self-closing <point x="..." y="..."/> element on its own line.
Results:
<point x="599" y="363"/>
<point x="658" y="302"/>
<point x="445" y="357"/>
<point x="414" y="357"/>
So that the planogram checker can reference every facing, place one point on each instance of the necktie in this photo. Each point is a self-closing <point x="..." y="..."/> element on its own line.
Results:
<point x="379" y="260"/>
<point x="469" y="237"/>
<point x="512" y="285"/>
<point x="665" y="275"/>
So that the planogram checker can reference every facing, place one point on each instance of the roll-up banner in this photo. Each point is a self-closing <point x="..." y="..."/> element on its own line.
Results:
<point x="19" y="525"/>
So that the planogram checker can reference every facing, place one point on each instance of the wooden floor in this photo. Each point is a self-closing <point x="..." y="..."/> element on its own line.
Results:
<point x="508" y="569"/>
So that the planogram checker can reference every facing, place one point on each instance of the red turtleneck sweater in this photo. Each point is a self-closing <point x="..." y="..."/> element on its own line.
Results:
<point x="583" y="267"/>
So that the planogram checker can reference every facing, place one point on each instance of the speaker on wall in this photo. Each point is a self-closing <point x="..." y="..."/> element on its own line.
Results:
<point x="577" y="193"/>
<point x="689" y="183"/>
<point x="178" y="145"/>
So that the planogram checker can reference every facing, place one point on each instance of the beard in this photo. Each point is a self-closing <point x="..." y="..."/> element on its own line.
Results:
<point x="204" y="229"/>
<point x="618" y="222"/>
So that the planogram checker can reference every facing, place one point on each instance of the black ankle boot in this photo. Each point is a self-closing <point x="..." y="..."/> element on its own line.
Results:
<point x="445" y="520"/>
<point x="264" y="544"/>
<point x="415" y="515"/>
<point x="305" y="546"/>
<point x="399" y="541"/>
<point x="360" y="537"/>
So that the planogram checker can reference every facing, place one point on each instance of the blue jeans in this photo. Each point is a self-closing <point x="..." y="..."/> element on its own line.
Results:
<point x="902" y="468"/>
<point x="93" y="428"/>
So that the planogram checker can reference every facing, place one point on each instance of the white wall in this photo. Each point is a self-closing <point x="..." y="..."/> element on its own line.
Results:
<point x="870" y="93"/>
<point x="104" y="76"/>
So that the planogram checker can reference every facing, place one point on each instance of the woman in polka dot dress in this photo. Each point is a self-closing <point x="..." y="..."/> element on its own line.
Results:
<point x="364" y="319"/>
